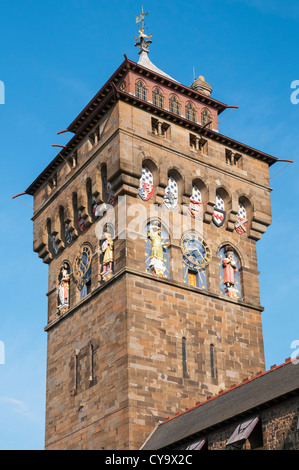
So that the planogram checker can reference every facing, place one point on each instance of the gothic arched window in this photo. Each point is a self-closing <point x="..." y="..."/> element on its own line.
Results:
<point x="158" y="97"/>
<point x="229" y="272"/>
<point x="174" y="105"/>
<point x="141" y="90"/>
<point x="190" y="112"/>
<point x="206" y="119"/>
<point x="53" y="247"/>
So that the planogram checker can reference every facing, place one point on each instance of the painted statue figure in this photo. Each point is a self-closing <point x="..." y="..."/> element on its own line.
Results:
<point x="108" y="258"/>
<point x="64" y="288"/>
<point x="229" y="268"/>
<point x="156" y="263"/>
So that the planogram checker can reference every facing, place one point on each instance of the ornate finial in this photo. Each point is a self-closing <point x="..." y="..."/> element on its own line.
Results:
<point x="143" y="43"/>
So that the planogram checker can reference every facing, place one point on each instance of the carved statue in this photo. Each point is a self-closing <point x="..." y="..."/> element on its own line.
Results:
<point x="229" y="268"/>
<point x="108" y="258"/>
<point x="156" y="263"/>
<point x="64" y="289"/>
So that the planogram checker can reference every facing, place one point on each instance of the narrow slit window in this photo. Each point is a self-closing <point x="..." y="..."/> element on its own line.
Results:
<point x="184" y="356"/>
<point x="212" y="361"/>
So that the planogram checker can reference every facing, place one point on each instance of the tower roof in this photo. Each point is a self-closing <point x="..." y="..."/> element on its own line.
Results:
<point x="107" y="96"/>
<point x="143" y="41"/>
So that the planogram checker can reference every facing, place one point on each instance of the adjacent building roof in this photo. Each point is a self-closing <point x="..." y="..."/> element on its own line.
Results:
<point x="239" y="402"/>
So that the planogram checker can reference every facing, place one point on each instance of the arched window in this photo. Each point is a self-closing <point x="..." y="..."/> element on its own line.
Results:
<point x="140" y="90"/>
<point x="156" y="249"/>
<point x="229" y="272"/>
<point x="174" y="105"/>
<point x="53" y="247"/>
<point x="158" y="97"/>
<point x="89" y="197"/>
<point x="206" y="118"/>
<point x="190" y="112"/>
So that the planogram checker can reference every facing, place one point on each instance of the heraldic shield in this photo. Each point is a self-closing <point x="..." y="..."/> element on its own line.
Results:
<point x="195" y="206"/>
<point x="171" y="194"/>
<point x="146" y="186"/>
<point x="218" y="216"/>
<point x="241" y="224"/>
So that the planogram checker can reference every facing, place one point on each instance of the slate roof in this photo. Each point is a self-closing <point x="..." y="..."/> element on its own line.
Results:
<point x="240" y="401"/>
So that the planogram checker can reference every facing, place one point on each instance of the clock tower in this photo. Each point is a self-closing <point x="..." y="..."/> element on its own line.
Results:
<point x="148" y="221"/>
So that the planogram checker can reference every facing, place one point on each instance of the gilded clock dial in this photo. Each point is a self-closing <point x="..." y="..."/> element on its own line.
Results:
<point x="196" y="251"/>
<point x="82" y="262"/>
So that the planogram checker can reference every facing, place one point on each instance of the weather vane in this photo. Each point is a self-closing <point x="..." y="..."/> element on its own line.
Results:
<point x="140" y="18"/>
<point x="143" y="44"/>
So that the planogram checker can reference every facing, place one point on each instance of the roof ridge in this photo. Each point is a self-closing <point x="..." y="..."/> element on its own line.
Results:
<point x="232" y="387"/>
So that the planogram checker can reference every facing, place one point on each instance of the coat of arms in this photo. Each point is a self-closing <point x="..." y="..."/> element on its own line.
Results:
<point x="171" y="194"/>
<point x="111" y="199"/>
<point x="241" y="224"/>
<point x="146" y="186"/>
<point x="81" y="223"/>
<point x="218" y="216"/>
<point x="195" y="205"/>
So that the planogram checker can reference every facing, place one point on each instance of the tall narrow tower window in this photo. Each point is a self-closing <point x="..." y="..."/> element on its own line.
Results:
<point x="174" y="105"/>
<point x="212" y="361"/>
<point x="206" y="119"/>
<point x="190" y="112"/>
<point x="158" y="98"/>
<point x="141" y="90"/>
<point x="184" y="356"/>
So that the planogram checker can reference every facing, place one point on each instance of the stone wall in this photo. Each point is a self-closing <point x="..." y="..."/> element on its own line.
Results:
<point x="129" y="331"/>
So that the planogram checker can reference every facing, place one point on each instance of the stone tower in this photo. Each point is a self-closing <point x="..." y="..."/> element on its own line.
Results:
<point x="148" y="220"/>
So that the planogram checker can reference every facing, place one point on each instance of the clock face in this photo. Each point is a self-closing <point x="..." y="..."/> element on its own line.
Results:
<point x="196" y="251"/>
<point x="82" y="262"/>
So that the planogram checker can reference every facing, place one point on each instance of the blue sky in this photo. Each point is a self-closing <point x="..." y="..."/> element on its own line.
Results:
<point x="54" y="56"/>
